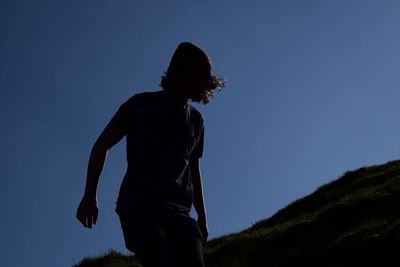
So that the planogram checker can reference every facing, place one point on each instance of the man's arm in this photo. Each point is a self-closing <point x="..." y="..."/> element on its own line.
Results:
<point x="88" y="208"/>
<point x="198" y="200"/>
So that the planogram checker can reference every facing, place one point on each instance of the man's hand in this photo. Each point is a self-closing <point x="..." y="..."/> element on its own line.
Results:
<point x="87" y="211"/>
<point x="203" y="228"/>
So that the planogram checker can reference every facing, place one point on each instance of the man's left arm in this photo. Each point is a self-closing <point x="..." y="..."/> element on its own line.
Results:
<point x="198" y="200"/>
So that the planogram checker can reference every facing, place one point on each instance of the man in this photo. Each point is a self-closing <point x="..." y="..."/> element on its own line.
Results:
<point x="164" y="141"/>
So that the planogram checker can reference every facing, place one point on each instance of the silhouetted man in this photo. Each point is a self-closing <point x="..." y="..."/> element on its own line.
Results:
<point x="164" y="141"/>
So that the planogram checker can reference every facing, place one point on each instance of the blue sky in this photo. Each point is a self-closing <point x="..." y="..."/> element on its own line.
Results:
<point x="313" y="90"/>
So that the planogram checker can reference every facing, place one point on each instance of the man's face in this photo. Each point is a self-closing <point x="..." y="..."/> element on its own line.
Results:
<point x="197" y="83"/>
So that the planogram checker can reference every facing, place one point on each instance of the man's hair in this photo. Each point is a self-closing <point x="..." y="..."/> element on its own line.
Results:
<point x="186" y="56"/>
<point x="169" y="82"/>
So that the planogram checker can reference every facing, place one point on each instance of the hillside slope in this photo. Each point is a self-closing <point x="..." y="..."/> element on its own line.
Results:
<point x="352" y="221"/>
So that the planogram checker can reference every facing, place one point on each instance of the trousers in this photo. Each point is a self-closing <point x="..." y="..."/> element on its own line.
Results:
<point x="162" y="238"/>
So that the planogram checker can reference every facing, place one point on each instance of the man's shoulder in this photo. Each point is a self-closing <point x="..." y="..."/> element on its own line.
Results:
<point x="143" y="97"/>
<point x="195" y="113"/>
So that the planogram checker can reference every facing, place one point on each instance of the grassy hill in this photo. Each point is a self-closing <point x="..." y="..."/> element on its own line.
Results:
<point x="352" y="221"/>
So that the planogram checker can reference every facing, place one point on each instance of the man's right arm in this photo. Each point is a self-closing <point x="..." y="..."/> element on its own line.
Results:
<point x="88" y="208"/>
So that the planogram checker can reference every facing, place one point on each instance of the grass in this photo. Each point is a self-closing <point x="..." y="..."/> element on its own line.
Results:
<point x="110" y="259"/>
<point x="351" y="221"/>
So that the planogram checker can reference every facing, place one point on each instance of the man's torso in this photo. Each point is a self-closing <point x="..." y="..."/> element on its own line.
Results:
<point x="161" y="138"/>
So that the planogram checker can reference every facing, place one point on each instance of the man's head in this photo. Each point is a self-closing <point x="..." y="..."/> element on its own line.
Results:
<point x="189" y="74"/>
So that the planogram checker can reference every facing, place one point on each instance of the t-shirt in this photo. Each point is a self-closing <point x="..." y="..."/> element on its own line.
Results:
<point x="161" y="138"/>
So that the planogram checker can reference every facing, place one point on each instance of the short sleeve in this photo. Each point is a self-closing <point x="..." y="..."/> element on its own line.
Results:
<point x="198" y="150"/>
<point x="119" y="118"/>
<point x="124" y="114"/>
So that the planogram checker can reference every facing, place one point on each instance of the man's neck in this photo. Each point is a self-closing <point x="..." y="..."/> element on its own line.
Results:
<point x="177" y="99"/>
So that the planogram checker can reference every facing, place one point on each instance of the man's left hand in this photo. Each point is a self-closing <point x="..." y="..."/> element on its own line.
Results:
<point x="203" y="228"/>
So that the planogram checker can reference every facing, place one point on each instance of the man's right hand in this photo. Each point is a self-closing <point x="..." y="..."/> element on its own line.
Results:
<point x="87" y="211"/>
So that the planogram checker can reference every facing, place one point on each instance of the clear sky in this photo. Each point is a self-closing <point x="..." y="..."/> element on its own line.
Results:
<point x="313" y="90"/>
